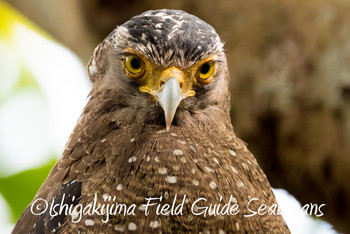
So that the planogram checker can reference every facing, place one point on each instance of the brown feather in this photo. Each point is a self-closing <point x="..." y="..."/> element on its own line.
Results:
<point x="120" y="148"/>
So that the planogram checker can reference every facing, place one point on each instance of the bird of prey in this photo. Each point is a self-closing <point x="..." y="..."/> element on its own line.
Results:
<point x="154" y="150"/>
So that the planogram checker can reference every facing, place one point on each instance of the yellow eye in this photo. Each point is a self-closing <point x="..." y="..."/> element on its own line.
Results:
<point x="205" y="72"/>
<point x="133" y="66"/>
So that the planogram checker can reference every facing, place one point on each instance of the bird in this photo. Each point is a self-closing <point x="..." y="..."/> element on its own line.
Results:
<point x="154" y="149"/>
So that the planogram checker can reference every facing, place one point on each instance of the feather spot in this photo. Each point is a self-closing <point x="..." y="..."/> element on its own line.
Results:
<point x="132" y="226"/>
<point x="193" y="171"/>
<point x="245" y="166"/>
<point x="195" y="182"/>
<point x="190" y="218"/>
<point x="206" y="231"/>
<point x="151" y="193"/>
<point x="176" y="167"/>
<point x="178" y="152"/>
<point x="159" y="25"/>
<point x="92" y="69"/>
<point x="173" y="134"/>
<point x="237" y="226"/>
<point x="119" y="187"/>
<point x="132" y="139"/>
<point x="192" y="148"/>
<point x="105" y="196"/>
<point x="162" y="170"/>
<point x="75" y="214"/>
<point x="234" y="200"/>
<point x="132" y="159"/>
<point x="171" y="179"/>
<point x="182" y="142"/>
<point x="89" y="222"/>
<point x="234" y="170"/>
<point x="148" y="159"/>
<point x="221" y="231"/>
<point x="119" y="228"/>
<point x="103" y="140"/>
<point x="212" y="185"/>
<point x="157" y="159"/>
<point x="209" y="169"/>
<point x="233" y="153"/>
<point x="216" y="161"/>
<point x="183" y="160"/>
<point x="93" y="62"/>
<point x="143" y="37"/>
<point x="240" y="184"/>
<point x="154" y="224"/>
<point x="166" y="195"/>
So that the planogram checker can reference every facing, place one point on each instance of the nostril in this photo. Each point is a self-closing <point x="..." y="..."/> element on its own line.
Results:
<point x="181" y="84"/>
<point x="161" y="83"/>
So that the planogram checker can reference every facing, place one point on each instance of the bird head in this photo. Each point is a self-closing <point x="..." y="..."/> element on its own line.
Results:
<point x="165" y="58"/>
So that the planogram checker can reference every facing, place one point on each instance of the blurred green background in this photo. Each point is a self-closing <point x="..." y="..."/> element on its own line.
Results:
<point x="37" y="110"/>
<point x="19" y="188"/>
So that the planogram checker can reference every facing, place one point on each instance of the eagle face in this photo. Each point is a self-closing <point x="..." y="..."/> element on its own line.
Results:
<point x="163" y="63"/>
<point x="157" y="125"/>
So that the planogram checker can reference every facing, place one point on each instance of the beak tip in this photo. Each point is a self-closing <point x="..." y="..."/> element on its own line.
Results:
<point x="168" y="124"/>
<point x="169" y="98"/>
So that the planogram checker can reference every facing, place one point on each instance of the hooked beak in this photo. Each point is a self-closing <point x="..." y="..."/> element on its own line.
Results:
<point x="169" y="98"/>
<point x="169" y="88"/>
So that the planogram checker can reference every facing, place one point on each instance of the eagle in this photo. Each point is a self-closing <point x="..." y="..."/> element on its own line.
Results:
<point x="154" y="150"/>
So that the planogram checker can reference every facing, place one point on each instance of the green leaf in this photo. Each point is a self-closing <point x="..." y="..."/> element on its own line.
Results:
<point x="20" y="189"/>
<point x="26" y="80"/>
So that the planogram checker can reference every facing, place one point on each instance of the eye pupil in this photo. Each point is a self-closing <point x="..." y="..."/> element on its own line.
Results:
<point x="205" y="68"/>
<point x="135" y="63"/>
<point x="133" y="66"/>
<point x="205" y="72"/>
